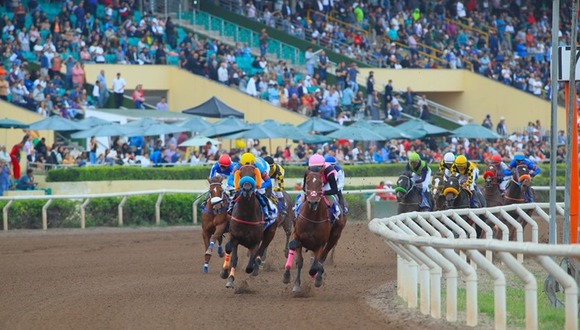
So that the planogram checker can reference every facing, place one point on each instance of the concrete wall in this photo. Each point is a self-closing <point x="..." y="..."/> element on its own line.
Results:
<point x="10" y="137"/>
<point x="471" y="94"/>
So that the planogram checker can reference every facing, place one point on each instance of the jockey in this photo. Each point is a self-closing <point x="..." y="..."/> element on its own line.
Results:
<point x="268" y="208"/>
<point x="519" y="159"/>
<point x="277" y="176"/>
<point x="246" y="159"/>
<point x="420" y="174"/>
<point x="446" y="164"/>
<point x="329" y="175"/>
<point x="329" y="160"/>
<point x="503" y="179"/>
<point x="470" y="170"/>
<point x="223" y="167"/>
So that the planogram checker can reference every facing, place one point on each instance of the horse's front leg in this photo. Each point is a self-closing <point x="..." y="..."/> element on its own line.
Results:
<point x="288" y="230"/>
<point x="253" y="261"/>
<point x="299" y="264"/>
<point x="266" y="240"/>
<point x="234" y="263"/>
<point x="207" y="257"/>
<point x="316" y="269"/>
<point x="227" y="264"/>
<point x="218" y="235"/>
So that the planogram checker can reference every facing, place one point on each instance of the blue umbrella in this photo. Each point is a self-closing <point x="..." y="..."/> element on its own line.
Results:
<point x="357" y="134"/>
<point x="57" y="123"/>
<point x="11" y="123"/>
<point x="475" y="131"/>
<point x="315" y="124"/>
<point x="93" y="121"/>
<point x="112" y="129"/>
<point x="195" y="124"/>
<point x="225" y="126"/>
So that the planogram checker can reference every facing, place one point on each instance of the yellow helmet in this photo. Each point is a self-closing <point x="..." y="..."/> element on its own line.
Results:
<point x="461" y="160"/>
<point x="248" y="159"/>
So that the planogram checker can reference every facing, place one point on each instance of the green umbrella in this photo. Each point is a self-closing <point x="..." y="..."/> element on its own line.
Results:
<point x="258" y="131"/>
<point x="357" y="134"/>
<point x="143" y="122"/>
<point x="93" y="121"/>
<point x="11" y="123"/>
<point x="315" y="124"/>
<point x="160" y="129"/>
<point x="195" y="124"/>
<point x="294" y="133"/>
<point x="417" y="127"/>
<point x="112" y="129"/>
<point x="225" y="126"/>
<point x="386" y="131"/>
<point x="56" y="123"/>
<point x="475" y="131"/>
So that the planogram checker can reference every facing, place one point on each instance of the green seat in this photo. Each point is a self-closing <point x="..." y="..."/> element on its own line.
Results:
<point x="133" y="41"/>
<point x="172" y="60"/>
<point x="111" y="59"/>
<point x="44" y="34"/>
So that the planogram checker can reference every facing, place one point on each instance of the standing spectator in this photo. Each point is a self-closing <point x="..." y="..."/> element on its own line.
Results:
<point x="162" y="105"/>
<point x="352" y="73"/>
<point x="487" y="122"/>
<point x="78" y="75"/>
<point x="264" y="38"/>
<point x="3" y="88"/>
<point x="4" y="176"/>
<point x="119" y="90"/>
<point x="139" y="97"/>
<point x="322" y="66"/>
<point x="424" y="113"/>
<point x="502" y="127"/>
<point x="222" y="74"/>
<point x="97" y="92"/>
<point x="310" y="59"/>
<point x="103" y="91"/>
<point x="370" y="88"/>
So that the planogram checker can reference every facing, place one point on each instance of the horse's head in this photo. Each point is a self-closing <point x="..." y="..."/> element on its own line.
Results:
<point x="314" y="189"/>
<point x="247" y="187"/>
<point x="451" y="190"/>
<point x="490" y="175"/>
<point x="437" y="184"/>
<point x="404" y="185"/>
<point x="522" y="175"/>
<point x="217" y="198"/>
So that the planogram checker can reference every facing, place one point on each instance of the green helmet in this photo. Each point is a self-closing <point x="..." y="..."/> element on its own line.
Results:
<point x="414" y="157"/>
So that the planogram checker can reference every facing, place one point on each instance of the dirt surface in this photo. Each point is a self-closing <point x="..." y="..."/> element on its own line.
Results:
<point x="151" y="278"/>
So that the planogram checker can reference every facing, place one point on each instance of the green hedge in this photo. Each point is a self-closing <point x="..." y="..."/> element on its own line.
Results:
<point x="106" y="173"/>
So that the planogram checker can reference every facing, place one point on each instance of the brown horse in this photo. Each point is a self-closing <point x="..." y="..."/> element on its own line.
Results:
<point x="313" y="231"/>
<point x="437" y="186"/>
<point x="515" y="193"/>
<point x="408" y="196"/>
<point x="491" y="190"/>
<point x="246" y="229"/>
<point x="214" y="219"/>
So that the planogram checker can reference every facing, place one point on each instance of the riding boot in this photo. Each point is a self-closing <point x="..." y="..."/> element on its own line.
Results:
<point x="282" y="205"/>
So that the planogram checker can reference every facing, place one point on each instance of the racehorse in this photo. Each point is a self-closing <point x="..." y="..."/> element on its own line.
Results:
<point x="214" y="219"/>
<point x="285" y="221"/>
<point x="491" y="191"/>
<point x="246" y="228"/>
<point x="437" y="186"/>
<point x="457" y="197"/>
<point x="408" y="196"/>
<point x="515" y="193"/>
<point x="312" y="231"/>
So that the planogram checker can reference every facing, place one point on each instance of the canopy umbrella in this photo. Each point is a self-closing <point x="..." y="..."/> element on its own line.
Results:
<point x="160" y="129"/>
<point x="93" y="121"/>
<point x="357" y="134"/>
<point x="418" y="126"/>
<point x="386" y="131"/>
<point x="198" y="141"/>
<point x="475" y="131"/>
<point x="11" y="123"/>
<point x="111" y="129"/>
<point x="258" y="131"/>
<point x="315" y="124"/>
<point x="195" y="124"/>
<point x="57" y="123"/>
<point x="214" y="108"/>
<point x="294" y="133"/>
<point x="143" y="122"/>
<point x="225" y="126"/>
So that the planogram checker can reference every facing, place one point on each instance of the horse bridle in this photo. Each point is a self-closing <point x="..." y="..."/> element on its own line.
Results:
<point x="224" y="198"/>
<point x="321" y="197"/>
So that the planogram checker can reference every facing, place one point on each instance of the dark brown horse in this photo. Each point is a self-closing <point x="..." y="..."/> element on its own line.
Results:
<point x="437" y="186"/>
<point x="214" y="219"/>
<point x="458" y="197"/>
<point x="408" y="196"/>
<point x="285" y="221"/>
<point x="515" y="193"/>
<point x="311" y="231"/>
<point x="491" y="190"/>
<point x="246" y="229"/>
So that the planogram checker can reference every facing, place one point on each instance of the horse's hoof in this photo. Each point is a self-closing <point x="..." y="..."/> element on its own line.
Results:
<point x="230" y="283"/>
<point x="221" y="255"/>
<point x="296" y="289"/>
<point x="318" y="281"/>
<point x="206" y="268"/>
<point x="249" y="269"/>
<point x="208" y="253"/>
<point x="224" y="274"/>
<point x="286" y="278"/>
<point x="220" y="251"/>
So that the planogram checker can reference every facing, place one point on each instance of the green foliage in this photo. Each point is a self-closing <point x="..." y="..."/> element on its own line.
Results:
<point x="28" y="214"/>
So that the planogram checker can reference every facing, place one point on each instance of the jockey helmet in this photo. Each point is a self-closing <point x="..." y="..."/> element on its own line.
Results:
<point x="389" y="183"/>
<point x="496" y="159"/>
<point x="461" y="161"/>
<point x="414" y="157"/>
<point x="248" y="159"/>
<point x="225" y="160"/>
<point x="269" y="160"/>
<point x="330" y="160"/>
<point x="449" y="158"/>
<point x="519" y="156"/>
<point x="316" y="160"/>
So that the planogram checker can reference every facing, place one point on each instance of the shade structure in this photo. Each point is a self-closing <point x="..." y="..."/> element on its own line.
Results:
<point x="356" y="133"/>
<point x="294" y="133"/>
<point x="198" y="140"/>
<point x="420" y="128"/>
<point x="143" y="122"/>
<point x="93" y="121"/>
<point x="258" y="131"/>
<point x="56" y="123"/>
<point x="315" y="124"/>
<point x="160" y="129"/>
<point x="11" y="123"/>
<point x="112" y="129"/>
<point x="195" y="124"/>
<point x="386" y="131"/>
<point x="225" y="126"/>
<point x="214" y="108"/>
<point x="475" y="131"/>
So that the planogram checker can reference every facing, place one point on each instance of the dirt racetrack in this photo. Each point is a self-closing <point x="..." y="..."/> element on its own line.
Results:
<point x="151" y="278"/>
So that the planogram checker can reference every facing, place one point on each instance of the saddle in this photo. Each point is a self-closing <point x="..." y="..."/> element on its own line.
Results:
<point x="333" y="207"/>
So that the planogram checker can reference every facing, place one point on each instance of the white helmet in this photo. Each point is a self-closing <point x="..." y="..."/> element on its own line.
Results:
<point x="449" y="158"/>
<point x="389" y="183"/>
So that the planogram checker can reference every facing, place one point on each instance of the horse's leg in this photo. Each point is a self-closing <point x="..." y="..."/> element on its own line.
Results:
<point x="266" y="240"/>
<point x="335" y="233"/>
<point x="227" y="264"/>
<point x="217" y="237"/>
<point x="292" y="246"/>
<point x="287" y="225"/>
<point x="330" y="260"/>
<point x="234" y="263"/>
<point x="317" y="269"/>
<point x="299" y="264"/>
<point x="205" y="233"/>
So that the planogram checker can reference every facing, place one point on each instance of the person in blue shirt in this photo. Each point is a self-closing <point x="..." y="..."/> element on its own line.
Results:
<point x="534" y="170"/>
<point x="223" y="167"/>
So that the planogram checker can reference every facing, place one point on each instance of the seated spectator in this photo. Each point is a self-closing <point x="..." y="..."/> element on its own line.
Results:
<point x="26" y="182"/>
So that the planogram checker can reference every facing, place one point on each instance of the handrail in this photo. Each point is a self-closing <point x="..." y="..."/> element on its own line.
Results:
<point x="339" y="22"/>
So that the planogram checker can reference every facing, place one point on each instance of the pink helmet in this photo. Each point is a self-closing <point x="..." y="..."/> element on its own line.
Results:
<point x="316" y="160"/>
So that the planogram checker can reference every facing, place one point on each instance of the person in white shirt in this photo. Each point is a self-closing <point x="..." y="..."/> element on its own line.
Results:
<point x="119" y="90"/>
<point x="96" y="92"/>
<point x="223" y="74"/>
<point x="251" y="87"/>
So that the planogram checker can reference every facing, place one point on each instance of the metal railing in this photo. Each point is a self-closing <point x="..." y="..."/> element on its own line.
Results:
<point x="430" y="244"/>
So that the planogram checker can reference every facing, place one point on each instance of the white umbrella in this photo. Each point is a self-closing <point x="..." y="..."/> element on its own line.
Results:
<point x="198" y="140"/>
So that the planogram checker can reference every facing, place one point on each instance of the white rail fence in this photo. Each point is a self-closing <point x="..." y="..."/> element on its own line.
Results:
<point x="432" y="244"/>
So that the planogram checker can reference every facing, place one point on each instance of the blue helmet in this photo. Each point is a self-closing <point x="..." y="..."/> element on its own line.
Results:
<point x="519" y="156"/>
<point x="330" y="160"/>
